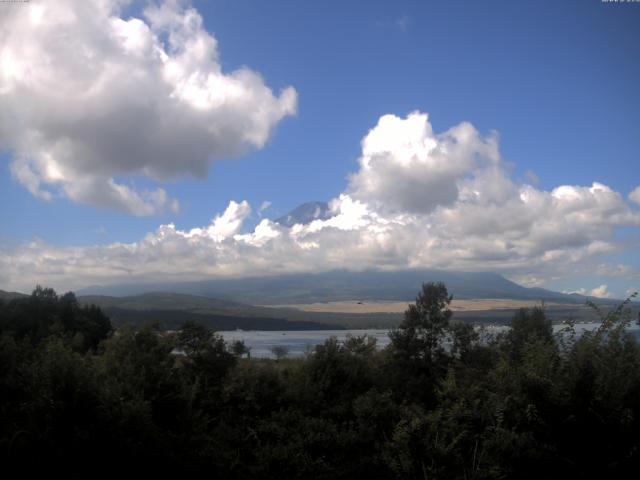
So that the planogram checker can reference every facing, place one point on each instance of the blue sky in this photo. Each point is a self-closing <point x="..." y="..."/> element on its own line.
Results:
<point x="557" y="80"/>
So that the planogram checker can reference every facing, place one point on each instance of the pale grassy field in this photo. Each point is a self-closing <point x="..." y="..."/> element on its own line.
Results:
<point x="355" y="306"/>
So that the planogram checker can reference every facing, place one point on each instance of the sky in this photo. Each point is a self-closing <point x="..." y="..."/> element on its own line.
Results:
<point x="142" y="141"/>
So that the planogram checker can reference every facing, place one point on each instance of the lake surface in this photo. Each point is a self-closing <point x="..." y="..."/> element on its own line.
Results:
<point x="300" y="343"/>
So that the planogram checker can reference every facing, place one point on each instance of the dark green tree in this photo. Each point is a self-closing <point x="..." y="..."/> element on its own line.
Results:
<point x="239" y="348"/>
<point x="44" y="313"/>
<point x="279" y="351"/>
<point x="529" y="326"/>
<point x="419" y="360"/>
<point x="419" y="336"/>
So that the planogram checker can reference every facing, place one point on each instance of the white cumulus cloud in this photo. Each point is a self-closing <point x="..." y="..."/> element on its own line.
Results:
<point x="265" y="205"/>
<point x="389" y="217"/>
<point x="599" y="292"/>
<point x="406" y="167"/>
<point x="88" y="96"/>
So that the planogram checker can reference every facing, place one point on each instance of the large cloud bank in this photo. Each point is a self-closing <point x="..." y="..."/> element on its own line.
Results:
<point x="87" y="97"/>
<point x="419" y="199"/>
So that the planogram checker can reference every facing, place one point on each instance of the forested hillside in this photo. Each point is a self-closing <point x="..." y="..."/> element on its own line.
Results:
<point x="83" y="400"/>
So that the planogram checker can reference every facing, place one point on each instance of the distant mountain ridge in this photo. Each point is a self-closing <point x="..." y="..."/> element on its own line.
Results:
<point x="166" y="301"/>
<point x="171" y="310"/>
<point x="6" y="296"/>
<point x="337" y="285"/>
<point x="305" y="213"/>
<point x="341" y="285"/>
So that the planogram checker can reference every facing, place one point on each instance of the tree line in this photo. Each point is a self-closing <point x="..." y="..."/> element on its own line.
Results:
<point x="82" y="399"/>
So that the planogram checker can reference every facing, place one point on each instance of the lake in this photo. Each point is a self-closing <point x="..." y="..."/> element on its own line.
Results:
<point x="299" y="342"/>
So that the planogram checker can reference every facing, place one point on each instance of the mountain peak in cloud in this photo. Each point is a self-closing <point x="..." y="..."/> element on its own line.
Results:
<point x="305" y="214"/>
<point x="492" y="223"/>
